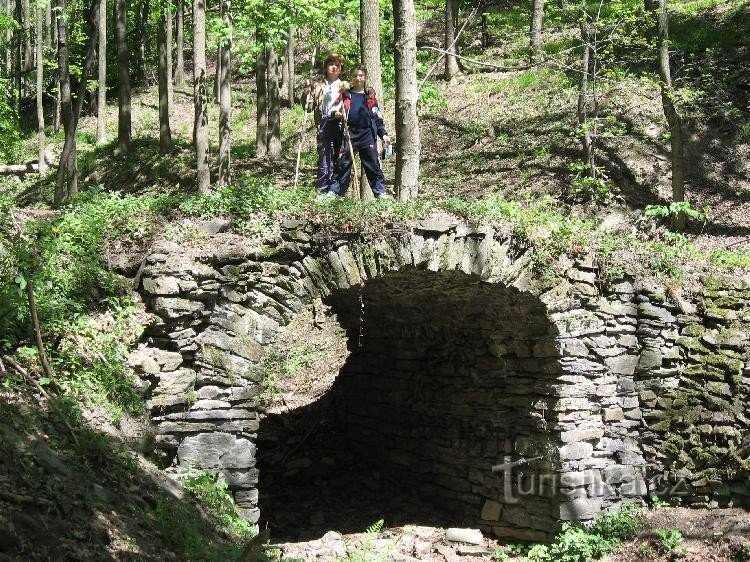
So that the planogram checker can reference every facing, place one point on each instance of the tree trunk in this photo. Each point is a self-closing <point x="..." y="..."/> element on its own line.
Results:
<point x="40" y="88"/>
<point x="671" y="112"/>
<point x="168" y="23"/>
<point x="407" y="122"/>
<point x="68" y="164"/>
<point x="48" y="24"/>
<point x="17" y="47"/>
<point x="261" y="87"/>
<point x="284" y="87"/>
<point x="274" y="106"/>
<point x="165" y="133"/>
<point x="225" y="98"/>
<point x="200" y="97"/>
<point x="56" y="118"/>
<point x="369" y="23"/>
<point x="141" y="34"/>
<point x="179" y="71"/>
<point x="123" y="77"/>
<point x="217" y="75"/>
<point x="66" y="101"/>
<point x="451" y="18"/>
<point x="535" y="33"/>
<point x="485" y="32"/>
<point x="290" y="46"/>
<point x="28" y="58"/>
<point x="102" y="93"/>
<point x="8" y="48"/>
<point x="582" y="110"/>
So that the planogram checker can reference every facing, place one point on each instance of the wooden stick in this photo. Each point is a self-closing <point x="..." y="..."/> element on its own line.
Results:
<point x="32" y="309"/>
<point x="299" y="148"/>
<point x="353" y="174"/>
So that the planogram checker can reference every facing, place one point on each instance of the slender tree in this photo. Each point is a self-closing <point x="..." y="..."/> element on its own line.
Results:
<point x="28" y="59"/>
<point x="165" y="132"/>
<point x="123" y="77"/>
<point x="48" y="24"/>
<point x="225" y="97"/>
<point x="8" y="48"/>
<point x="217" y="75"/>
<point x="57" y="116"/>
<point x="40" y="88"/>
<point x="141" y="28"/>
<point x="102" y="93"/>
<point x="485" y="31"/>
<point x="535" y="30"/>
<point x="66" y="103"/>
<point x="671" y="112"/>
<point x="274" y="105"/>
<point x="17" y="46"/>
<point x="291" y="69"/>
<point x="167" y="7"/>
<point x="407" y="122"/>
<point x="68" y="165"/>
<point x="179" y="70"/>
<point x="587" y="142"/>
<point x="369" y="47"/>
<point x="200" y="97"/>
<point x="451" y="19"/>
<point x="286" y="93"/>
<point x="261" y="87"/>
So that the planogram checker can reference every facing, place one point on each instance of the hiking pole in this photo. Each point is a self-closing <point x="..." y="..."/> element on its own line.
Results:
<point x="355" y="178"/>
<point x="299" y="148"/>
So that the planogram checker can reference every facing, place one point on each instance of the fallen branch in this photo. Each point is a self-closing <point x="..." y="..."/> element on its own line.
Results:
<point x="21" y="371"/>
<point x="13" y="169"/>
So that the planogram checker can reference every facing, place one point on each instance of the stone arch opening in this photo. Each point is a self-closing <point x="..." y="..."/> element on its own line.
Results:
<point x="447" y="376"/>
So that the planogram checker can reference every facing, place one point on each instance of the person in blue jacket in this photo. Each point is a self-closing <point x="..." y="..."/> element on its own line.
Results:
<point x="364" y="122"/>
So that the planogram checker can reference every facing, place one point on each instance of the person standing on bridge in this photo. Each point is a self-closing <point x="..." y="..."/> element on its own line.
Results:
<point x="323" y="100"/>
<point x="363" y="124"/>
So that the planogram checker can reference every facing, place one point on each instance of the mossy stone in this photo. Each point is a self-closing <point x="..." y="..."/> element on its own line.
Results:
<point x="704" y="371"/>
<point x="693" y="330"/>
<point x="691" y="344"/>
<point x="663" y="425"/>
<point x="730" y="365"/>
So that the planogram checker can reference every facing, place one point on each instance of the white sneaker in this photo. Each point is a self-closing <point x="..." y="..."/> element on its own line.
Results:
<point x="383" y="196"/>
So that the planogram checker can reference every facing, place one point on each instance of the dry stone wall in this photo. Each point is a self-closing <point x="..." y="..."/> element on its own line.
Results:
<point x="462" y="359"/>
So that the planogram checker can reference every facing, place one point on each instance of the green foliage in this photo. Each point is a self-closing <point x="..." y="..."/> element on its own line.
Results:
<point x="576" y="543"/>
<point x="674" y="208"/>
<point x="10" y="132"/>
<point x="669" y="541"/>
<point x="431" y="99"/>
<point x="211" y="491"/>
<point x="252" y="203"/>
<point x="620" y="525"/>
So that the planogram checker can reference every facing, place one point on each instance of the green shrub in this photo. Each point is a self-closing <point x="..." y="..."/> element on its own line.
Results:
<point x="620" y="525"/>
<point x="211" y="491"/>
<point x="670" y="541"/>
<point x="431" y="99"/>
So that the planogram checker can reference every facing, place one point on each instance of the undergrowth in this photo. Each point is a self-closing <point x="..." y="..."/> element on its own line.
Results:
<point x="576" y="543"/>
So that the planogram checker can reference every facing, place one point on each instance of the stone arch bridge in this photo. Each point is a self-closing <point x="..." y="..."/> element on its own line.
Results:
<point x="462" y="359"/>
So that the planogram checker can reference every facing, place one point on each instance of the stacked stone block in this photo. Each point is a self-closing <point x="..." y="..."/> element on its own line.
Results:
<point x="462" y="358"/>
